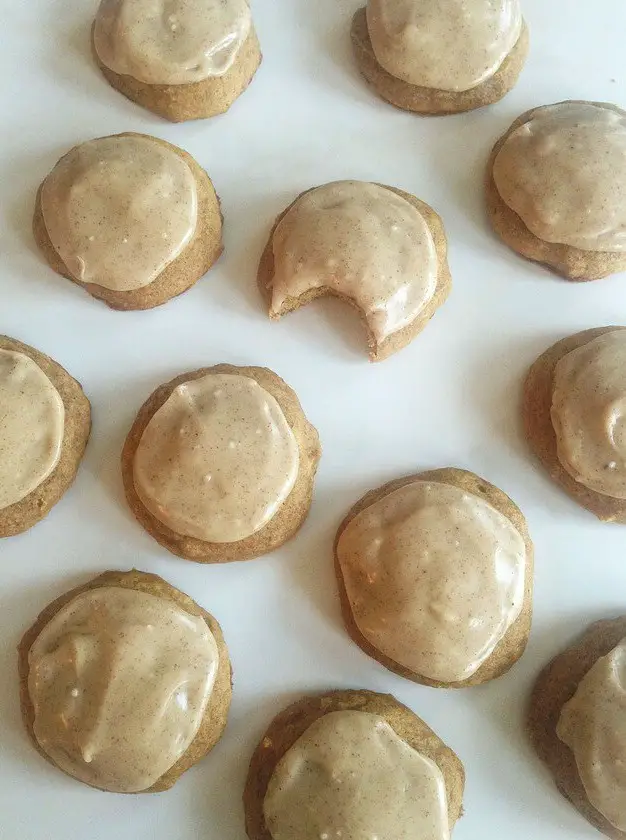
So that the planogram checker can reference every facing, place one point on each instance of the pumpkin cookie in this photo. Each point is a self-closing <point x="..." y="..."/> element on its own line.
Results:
<point x="419" y="560"/>
<point x="573" y="418"/>
<point x="556" y="188"/>
<point x="440" y="56"/>
<point x="577" y="720"/>
<point x="380" y="249"/>
<point x="124" y="657"/>
<point x="352" y="763"/>
<point x="130" y="218"/>
<point x="220" y="464"/>
<point x="190" y="63"/>
<point x="45" y="420"/>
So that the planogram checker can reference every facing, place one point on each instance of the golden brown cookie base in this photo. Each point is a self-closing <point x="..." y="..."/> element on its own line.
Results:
<point x="556" y="685"/>
<point x="429" y="101"/>
<point x="291" y="723"/>
<point x="540" y="433"/>
<point x="194" y="101"/>
<point x="216" y="713"/>
<point x="571" y="263"/>
<point x="23" y="515"/>
<point x="396" y="341"/>
<point x="512" y="646"/>
<point x="292" y="513"/>
<point x="181" y="274"/>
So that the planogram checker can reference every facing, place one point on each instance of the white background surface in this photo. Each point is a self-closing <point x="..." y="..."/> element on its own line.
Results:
<point x="451" y="398"/>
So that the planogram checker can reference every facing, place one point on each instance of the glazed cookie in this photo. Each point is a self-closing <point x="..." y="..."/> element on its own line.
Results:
<point x="125" y="683"/>
<point x="435" y="576"/>
<point x="440" y="56"/>
<point x="380" y="249"/>
<point x="220" y="464"/>
<point x="45" y="420"/>
<point x="556" y="188"/>
<point x="577" y="721"/>
<point x="574" y="418"/>
<point x="184" y="59"/>
<point x="130" y="218"/>
<point x="352" y="764"/>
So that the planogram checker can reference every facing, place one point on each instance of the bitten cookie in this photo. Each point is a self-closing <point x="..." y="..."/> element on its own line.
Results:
<point x="435" y="575"/>
<point x="576" y="721"/>
<point x="380" y="249"/>
<point x="352" y="763"/>
<point x="186" y="62"/>
<point x="556" y="188"/>
<point x="45" y="420"/>
<point x="440" y="56"/>
<point x="125" y="683"/>
<point x="220" y="464"/>
<point x="130" y="218"/>
<point x="573" y="416"/>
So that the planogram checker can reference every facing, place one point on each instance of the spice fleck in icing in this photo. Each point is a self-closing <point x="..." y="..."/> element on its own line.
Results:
<point x="217" y="460"/>
<point x="360" y="240"/>
<point x="435" y="578"/>
<point x="564" y="173"/>
<point x="120" y="681"/>
<point x="171" y="42"/>
<point x="32" y="421"/>
<point x="119" y="210"/>
<point x="452" y="45"/>
<point x="593" y="725"/>
<point x="351" y="777"/>
<point x="589" y="413"/>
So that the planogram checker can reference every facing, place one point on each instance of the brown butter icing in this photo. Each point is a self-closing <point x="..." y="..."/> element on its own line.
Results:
<point x="119" y="681"/>
<point x="217" y="460"/>
<point x="32" y="420"/>
<point x="564" y="173"/>
<point x="449" y="45"/>
<point x="593" y="725"/>
<point x="171" y="42"/>
<point x="351" y="777"/>
<point x="589" y="413"/>
<point x="118" y="210"/>
<point x="434" y="576"/>
<point x="362" y="241"/>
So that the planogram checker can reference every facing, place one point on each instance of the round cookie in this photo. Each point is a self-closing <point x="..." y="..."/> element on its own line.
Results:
<point x="190" y="66"/>
<point x="577" y="184"/>
<point x="499" y="651"/>
<point x="289" y="726"/>
<point x="371" y="215"/>
<point x="428" y="100"/>
<point x="133" y="205"/>
<point x="238" y="525"/>
<point x="68" y="413"/>
<point x="213" y="717"/>
<point x="541" y="434"/>
<point x="557" y="684"/>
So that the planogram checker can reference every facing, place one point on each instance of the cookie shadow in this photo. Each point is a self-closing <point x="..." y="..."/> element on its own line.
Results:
<point x="332" y="60"/>
<point x="249" y="217"/>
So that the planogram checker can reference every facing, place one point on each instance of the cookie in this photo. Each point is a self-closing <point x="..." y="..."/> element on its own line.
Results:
<point x="124" y="655"/>
<point x="191" y="64"/>
<point x="419" y="559"/>
<point x="555" y="188"/>
<point x="350" y="762"/>
<point x="441" y="66"/>
<point x="130" y="218"/>
<point x="44" y="428"/>
<point x="575" y="722"/>
<point x="570" y="411"/>
<point x="220" y="464"/>
<point x="376" y="247"/>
